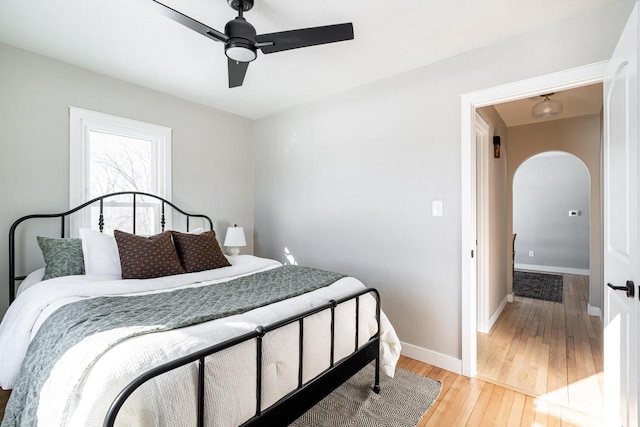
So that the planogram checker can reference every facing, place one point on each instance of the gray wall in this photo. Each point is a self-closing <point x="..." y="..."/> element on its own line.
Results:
<point x="346" y="183"/>
<point x="545" y="188"/>
<point x="212" y="150"/>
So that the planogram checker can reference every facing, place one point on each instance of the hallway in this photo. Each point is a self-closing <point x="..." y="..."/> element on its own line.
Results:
<point x="548" y="350"/>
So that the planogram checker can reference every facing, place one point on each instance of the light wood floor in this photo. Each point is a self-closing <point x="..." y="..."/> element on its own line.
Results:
<point x="548" y="350"/>
<point x="473" y="402"/>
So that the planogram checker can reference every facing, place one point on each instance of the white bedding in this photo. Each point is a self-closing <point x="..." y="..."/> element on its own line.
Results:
<point x="73" y="396"/>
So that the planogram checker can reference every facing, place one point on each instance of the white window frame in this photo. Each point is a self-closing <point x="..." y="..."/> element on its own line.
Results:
<point x="81" y="122"/>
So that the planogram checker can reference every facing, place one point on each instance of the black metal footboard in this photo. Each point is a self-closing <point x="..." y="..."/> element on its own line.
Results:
<point x="294" y="404"/>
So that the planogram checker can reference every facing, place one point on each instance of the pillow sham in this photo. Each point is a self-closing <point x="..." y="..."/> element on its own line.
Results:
<point x="62" y="257"/>
<point x="147" y="257"/>
<point x="198" y="252"/>
<point x="100" y="253"/>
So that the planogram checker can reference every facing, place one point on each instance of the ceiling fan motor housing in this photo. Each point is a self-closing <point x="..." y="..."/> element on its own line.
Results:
<point x="241" y="4"/>
<point x="242" y="39"/>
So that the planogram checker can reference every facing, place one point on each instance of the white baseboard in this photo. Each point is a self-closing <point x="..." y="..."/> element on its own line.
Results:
<point x="497" y="313"/>
<point x="594" y="311"/>
<point x="552" y="269"/>
<point x="492" y="320"/>
<point x="509" y="297"/>
<point x="431" y="357"/>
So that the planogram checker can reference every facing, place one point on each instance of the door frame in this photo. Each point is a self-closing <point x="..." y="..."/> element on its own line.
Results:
<point x="561" y="80"/>
<point x="481" y="129"/>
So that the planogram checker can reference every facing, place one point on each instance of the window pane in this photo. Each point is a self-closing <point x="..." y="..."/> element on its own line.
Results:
<point x="119" y="163"/>
<point x="120" y="218"/>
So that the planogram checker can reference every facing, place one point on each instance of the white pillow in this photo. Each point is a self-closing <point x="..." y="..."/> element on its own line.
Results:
<point x="31" y="279"/>
<point x="100" y="253"/>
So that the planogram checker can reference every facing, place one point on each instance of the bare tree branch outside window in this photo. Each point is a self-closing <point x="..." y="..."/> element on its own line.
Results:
<point x="122" y="163"/>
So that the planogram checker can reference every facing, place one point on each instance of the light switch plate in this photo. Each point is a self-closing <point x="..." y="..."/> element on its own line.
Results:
<point x="436" y="208"/>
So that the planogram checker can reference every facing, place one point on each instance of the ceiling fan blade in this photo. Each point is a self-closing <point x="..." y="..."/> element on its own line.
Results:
<point x="294" y="39"/>
<point x="189" y="22"/>
<point x="237" y="70"/>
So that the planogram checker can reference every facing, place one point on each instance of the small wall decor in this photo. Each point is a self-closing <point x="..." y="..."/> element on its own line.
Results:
<point x="496" y="147"/>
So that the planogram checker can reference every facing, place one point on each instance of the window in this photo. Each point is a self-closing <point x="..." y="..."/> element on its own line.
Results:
<point x="110" y="154"/>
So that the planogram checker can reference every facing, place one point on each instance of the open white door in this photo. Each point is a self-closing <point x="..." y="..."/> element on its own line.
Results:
<point x="621" y="251"/>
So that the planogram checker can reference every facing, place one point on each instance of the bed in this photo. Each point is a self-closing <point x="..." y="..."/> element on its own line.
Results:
<point x="99" y="349"/>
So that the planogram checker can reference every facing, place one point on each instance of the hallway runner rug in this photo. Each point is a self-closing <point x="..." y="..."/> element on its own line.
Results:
<point x="542" y="286"/>
<point x="402" y="402"/>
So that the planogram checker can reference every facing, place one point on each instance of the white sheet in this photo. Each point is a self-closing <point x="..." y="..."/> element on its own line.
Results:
<point x="169" y="400"/>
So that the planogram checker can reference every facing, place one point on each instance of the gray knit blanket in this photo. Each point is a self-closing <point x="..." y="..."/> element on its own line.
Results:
<point x="160" y="312"/>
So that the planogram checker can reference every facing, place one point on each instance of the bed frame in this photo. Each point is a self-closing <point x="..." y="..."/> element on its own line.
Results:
<point x="291" y="406"/>
<point x="13" y="278"/>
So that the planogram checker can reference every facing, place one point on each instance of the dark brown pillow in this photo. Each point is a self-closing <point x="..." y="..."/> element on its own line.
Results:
<point x="198" y="252"/>
<point x="147" y="257"/>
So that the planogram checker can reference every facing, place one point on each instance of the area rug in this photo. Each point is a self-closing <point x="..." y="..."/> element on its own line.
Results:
<point x="542" y="286"/>
<point x="402" y="402"/>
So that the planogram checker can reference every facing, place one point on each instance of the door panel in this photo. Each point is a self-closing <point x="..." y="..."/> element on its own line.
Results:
<point x="617" y="164"/>
<point x="621" y="256"/>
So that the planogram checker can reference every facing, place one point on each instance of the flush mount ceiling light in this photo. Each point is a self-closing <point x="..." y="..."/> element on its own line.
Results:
<point x="546" y="108"/>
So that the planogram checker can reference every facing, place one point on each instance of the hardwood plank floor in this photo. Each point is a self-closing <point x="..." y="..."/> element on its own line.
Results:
<point x="474" y="402"/>
<point x="549" y="351"/>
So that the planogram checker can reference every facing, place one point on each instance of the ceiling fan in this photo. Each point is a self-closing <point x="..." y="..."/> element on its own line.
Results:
<point x="241" y="41"/>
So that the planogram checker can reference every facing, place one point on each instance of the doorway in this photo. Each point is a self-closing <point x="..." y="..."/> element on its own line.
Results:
<point x="546" y="344"/>
<point x="581" y="76"/>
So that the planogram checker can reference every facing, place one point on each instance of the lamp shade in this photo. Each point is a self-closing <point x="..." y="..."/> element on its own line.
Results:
<point x="235" y="237"/>
<point x="546" y="108"/>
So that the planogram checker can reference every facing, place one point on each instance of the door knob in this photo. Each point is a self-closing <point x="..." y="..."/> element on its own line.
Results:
<point x="629" y="288"/>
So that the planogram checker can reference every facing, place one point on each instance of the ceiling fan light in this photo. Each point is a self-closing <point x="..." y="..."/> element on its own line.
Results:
<point x="546" y="109"/>
<point x="240" y="51"/>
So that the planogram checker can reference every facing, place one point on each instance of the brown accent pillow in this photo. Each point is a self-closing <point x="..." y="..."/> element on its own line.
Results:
<point x="147" y="257"/>
<point x="198" y="252"/>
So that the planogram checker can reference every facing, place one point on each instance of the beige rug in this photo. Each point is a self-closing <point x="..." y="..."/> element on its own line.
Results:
<point x="402" y="402"/>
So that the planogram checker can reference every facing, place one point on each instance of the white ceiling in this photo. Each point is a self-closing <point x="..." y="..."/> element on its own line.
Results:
<point x="130" y="40"/>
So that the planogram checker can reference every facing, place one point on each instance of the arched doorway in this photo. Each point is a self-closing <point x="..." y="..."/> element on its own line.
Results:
<point x="551" y="214"/>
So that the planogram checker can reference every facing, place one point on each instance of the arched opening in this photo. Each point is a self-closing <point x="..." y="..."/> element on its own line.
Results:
<point x="551" y="214"/>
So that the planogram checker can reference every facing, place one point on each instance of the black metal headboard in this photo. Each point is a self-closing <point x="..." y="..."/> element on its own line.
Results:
<point x="63" y="216"/>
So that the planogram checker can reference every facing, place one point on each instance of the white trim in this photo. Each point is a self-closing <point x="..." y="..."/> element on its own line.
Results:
<point x="431" y="357"/>
<point x="552" y="269"/>
<point x="81" y="122"/>
<point x="594" y="311"/>
<point x="497" y="313"/>
<point x="561" y="80"/>
<point x="482" y="226"/>
<point x="509" y="297"/>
